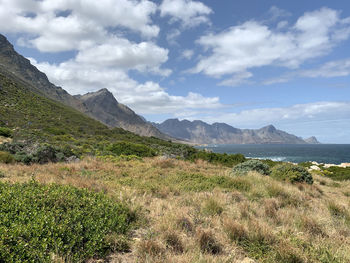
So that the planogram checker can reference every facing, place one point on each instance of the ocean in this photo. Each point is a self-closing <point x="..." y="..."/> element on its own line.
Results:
<point x="296" y="153"/>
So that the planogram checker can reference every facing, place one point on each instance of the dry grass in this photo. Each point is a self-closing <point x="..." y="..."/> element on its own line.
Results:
<point x="197" y="212"/>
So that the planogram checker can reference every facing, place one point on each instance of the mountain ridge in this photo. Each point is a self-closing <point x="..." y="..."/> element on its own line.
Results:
<point x="221" y="133"/>
<point x="104" y="107"/>
<point x="112" y="115"/>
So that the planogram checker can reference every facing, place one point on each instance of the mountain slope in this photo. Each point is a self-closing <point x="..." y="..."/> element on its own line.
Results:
<point x="101" y="106"/>
<point x="37" y="119"/>
<point x="221" y="133"/>
<point x="13" y="63"/>
<point x="104" y="107"/>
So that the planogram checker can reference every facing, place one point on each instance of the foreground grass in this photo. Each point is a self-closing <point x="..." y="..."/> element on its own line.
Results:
<point x="197" y="212"/>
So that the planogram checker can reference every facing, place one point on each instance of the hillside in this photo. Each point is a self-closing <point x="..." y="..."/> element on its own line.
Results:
<point x="107" y="111"/>
<point x="221" y="133"/>
<point x="37" y="119"/>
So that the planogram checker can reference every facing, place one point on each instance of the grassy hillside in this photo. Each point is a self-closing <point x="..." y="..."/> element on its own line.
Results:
<point x="199" y="212"/>
<point x="36" y="118"/>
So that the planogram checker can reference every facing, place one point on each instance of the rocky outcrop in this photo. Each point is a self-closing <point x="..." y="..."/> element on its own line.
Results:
<point x="222" y="133"/>
<point x="312" y="140"/>
<point x="103" y="106"/>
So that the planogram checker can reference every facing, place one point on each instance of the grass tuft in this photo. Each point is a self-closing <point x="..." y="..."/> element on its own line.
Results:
<point x="208" y="243"/>
<point x="173" y="241"/>
<point x="211" y="207"/>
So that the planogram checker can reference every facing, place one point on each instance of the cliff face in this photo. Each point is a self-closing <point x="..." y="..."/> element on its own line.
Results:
<point x="100" y="105"/>
<point x="221" y="133"/>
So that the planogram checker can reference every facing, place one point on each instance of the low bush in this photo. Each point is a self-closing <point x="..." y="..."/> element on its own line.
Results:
<point x="337" y="173"/>
<point x="28" y="153"/>
<point x="251" y="165"/>
<point x="218" y="158"/>
<point x="38" y="221"/>
<point x="291" y="173"/>
<point x="6" y="157"/>
<point x="5" y="132"/>
<point x="128" y="148"/>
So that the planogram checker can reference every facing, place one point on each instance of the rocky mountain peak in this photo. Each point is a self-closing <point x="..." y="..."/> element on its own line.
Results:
<point x="269" y="128"/>
<point x="4" y="42"/>
<point x="102" y="94"/>
<point x="312" y="140"/>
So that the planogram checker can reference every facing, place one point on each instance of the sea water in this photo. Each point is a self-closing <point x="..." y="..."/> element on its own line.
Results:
<point x="321" y="153"/>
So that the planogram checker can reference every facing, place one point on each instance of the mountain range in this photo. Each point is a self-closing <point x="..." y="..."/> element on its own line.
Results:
<point x="100" y="105"/>
<point x="104" y="107"/>
<point x="222" y="133"/>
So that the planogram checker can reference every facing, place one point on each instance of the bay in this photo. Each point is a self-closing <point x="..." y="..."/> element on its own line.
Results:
<point x="321" y="153"/>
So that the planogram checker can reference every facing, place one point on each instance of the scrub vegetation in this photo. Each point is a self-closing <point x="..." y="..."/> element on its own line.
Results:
<point x="188" y="211"/>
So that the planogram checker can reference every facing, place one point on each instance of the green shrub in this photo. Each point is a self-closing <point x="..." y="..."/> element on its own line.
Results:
<point x="338" y="173"/>
<point x="128" y="148"/>
<point x="6" y="157"/>
<point x="5" y="132"/>
<point x="291" y="173"/>
<point x="28" y="153"/>
<point x="22" y="157"/>
<point x="38" y="221"/>
<point x="44" y="154"/>
<point x="218" y="158"/>
<point x="251" y="165"/>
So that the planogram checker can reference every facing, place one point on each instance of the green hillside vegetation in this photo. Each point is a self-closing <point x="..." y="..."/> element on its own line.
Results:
<point x="44" y="130"/>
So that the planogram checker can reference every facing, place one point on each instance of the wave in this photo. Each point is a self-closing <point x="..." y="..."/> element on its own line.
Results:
<point x="272" y="158"/>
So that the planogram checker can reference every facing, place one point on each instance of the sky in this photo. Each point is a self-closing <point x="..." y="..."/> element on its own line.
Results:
<point x="247" y="63"/>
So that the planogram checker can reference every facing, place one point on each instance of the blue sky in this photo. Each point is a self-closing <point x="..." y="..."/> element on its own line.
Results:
<point x="247" y="63"/>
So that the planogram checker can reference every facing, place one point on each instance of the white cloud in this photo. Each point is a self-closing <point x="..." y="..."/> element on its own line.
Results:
<point x="338" y="68"/>
<point x="276" y="13"/>
<point x="121" y="53"/>
<point x="253" y="44"/>
<point x="172" y="36"/>
<point x="187" y="54"/>
<point x="189" y="13"/>
<point x="85" y="22"/>
<point x="237" y="79"/>
<point x="331" y="69"/>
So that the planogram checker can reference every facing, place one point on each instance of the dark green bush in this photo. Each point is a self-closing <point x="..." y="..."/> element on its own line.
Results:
<point x="6" y="157"/>
<point x="37" y="221"/>
<point x="27" y="153"/>
<point x="338" y="173"/>
<point x="5" y="132"/>
<point x="218" y="158"/>
<point x="291" y="173"/>
<point x="128" y="148"/>
<point x="22" y="157"/>
<point x="251" y="165"/>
